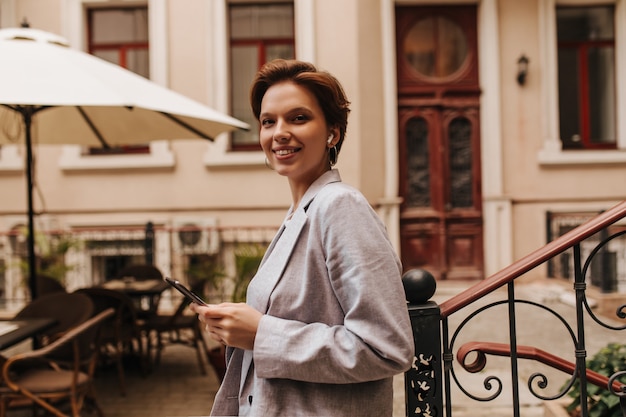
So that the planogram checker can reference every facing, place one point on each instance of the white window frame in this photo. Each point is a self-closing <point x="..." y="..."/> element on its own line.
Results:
<point x="10" y="159"/>
<point x="160" y="155"/>
<point x="552" y="153"/>
<point x="218" y="153"/>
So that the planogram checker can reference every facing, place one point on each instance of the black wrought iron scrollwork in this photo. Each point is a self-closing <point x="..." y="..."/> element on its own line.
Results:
<point x="614" y="381"/>
<point x="487" y="383"/>
<point x="473" y="356"/>
<point x="621" y="310"/>
<point x="535" y="381"/>
<point x="543" y="384"/>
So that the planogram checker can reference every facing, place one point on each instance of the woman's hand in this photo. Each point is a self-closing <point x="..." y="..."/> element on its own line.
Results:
<point x="233" y="324"/>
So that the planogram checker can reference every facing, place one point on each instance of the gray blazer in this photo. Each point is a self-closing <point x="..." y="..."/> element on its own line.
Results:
<point x="336" y="327"/>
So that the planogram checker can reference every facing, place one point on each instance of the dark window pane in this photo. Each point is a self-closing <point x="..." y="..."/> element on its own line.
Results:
<point x="418" y="166"/>
<point x="569" y="98"/>
<point x="124" y="25"/>
<point x="586" y="59"/>
<point x="460" y="163"/>
<point x="109" y="55"/>
<point x="261" y="21"/>
<point x="138" y="62"/>
<point x="585" y="23"/>
<point x="279" y="52"/>
<point x="244" y="60"/>
<point x="601" y="62"/>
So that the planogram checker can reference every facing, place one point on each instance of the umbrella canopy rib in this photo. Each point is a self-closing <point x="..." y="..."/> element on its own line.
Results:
<point x="186" y="126"/>
<point x="93" y="128"/>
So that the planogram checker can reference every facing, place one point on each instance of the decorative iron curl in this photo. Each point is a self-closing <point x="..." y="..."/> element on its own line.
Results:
<point x="481" y="359"/>
<point x="543" y="384"/>
<point x="620" y="312"/>
<point x="486" y="383"/>
<point x="475" y="367"/>
<point x="614" y="382"/>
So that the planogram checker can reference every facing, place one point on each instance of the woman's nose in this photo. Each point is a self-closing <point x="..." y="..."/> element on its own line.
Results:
<point x="281" y="132"/>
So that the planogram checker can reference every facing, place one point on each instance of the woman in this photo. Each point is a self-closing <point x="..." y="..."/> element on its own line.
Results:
<point x="325" y="326"/>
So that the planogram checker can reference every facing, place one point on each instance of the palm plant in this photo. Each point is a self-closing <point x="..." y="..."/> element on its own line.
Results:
<point x="247" y="260"/>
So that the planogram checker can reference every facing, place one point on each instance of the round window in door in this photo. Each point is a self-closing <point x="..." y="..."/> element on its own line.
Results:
<point x="436" y="47"/>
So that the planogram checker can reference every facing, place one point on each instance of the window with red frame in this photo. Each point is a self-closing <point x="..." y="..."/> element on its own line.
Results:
<point x="586" y="69"/>
<point x="120" y="35"/>
<point x="259" y="32"/>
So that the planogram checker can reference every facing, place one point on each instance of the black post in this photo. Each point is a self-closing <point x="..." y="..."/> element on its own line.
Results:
<point x="149" y="244"/>
<point x="608" y="262"/>
<point x="609" y="271"/>
<point x="32" y="257"/>
<point x="424" y="381"/>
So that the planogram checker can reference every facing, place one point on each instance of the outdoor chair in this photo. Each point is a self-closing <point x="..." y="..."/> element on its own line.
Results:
<point x="69" y="310"/>
<point x="179" y="328"/>
<point x="52" y="376"/>
<point x="146" y="305"/>
<point x="140" y="272"/>
<point x="47" y="285"/>
<point x="121" y="334"/>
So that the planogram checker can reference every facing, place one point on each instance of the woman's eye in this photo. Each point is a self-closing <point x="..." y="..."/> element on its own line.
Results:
<point x="266" y="122"/>
<point x="300" y="118"/>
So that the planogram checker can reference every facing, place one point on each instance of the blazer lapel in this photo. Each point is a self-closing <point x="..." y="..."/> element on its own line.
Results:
<point x="275" y="261"/>
<point x="258" y="296"/>
<point x="278" y="253"/>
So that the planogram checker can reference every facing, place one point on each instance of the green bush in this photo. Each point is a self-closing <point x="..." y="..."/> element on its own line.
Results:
<point x="50" y="250"/>
<point x="205" y="268"/>
<point x="601" y="402"/>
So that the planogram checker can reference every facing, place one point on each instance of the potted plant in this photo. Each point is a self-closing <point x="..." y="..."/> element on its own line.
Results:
<point x="601" y="402"/>
<point x="247" y="260"/>
<point x="50" y="255"/>
<point x="206" y="268"/>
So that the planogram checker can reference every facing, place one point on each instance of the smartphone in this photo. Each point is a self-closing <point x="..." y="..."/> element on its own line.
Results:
<point x="193" y="297"/>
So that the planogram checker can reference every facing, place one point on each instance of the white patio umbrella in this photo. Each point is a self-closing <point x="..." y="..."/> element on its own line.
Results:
<point x="76" y="98"/>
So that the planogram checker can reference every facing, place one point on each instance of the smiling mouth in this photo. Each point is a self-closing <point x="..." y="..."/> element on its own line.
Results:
<point x="283" y="152"/>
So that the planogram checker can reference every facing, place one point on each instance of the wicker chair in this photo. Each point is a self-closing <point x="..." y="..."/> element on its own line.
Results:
<point x="179" y="328"/>
<point x="47" y="285"/>
<point x="55" y="374"/>
<point x="69" y="310"/>
<point x="121" y="334"/>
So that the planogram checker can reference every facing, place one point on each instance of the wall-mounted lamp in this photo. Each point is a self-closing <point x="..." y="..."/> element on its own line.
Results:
<point x="522" y="69"/>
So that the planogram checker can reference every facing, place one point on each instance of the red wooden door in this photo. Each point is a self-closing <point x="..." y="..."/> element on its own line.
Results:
<point x="438" y="119"/>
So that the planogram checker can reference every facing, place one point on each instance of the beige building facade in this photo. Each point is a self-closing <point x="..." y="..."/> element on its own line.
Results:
<point x="512" y="169"/>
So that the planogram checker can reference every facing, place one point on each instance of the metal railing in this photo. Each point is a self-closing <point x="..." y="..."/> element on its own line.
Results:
<point x="430" y="381"/>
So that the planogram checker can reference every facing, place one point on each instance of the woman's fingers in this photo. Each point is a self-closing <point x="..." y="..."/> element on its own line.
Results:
<point x="233" y="324"/>
<point x="213" y="334"/>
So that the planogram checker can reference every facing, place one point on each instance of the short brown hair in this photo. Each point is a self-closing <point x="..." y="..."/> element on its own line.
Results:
<point x="324" y="86"/>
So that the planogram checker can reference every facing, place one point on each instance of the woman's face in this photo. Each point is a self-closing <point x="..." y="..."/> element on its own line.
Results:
<point x="294" y="133"/>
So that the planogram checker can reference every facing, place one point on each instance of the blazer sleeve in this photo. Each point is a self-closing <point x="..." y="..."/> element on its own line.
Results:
<point x="372" y="339"/>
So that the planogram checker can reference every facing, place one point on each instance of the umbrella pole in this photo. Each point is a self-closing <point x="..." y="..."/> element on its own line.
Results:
<point x="32" y="264"/>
